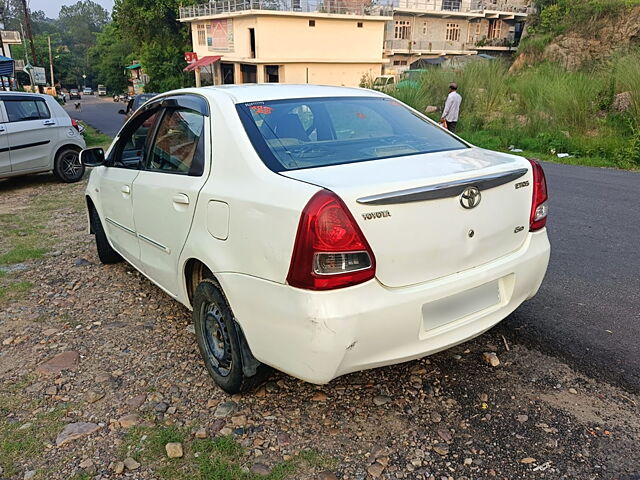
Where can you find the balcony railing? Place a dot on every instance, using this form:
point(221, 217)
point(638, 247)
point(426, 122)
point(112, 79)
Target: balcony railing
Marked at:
point(10, 36)
point(425, 46)
point(465, 6)
point(346, 7)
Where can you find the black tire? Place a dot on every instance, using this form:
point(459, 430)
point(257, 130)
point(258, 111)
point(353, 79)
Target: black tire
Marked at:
point(106, 254)
point(221, 342)
point(67, 166)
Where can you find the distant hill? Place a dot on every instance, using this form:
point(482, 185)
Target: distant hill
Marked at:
point(580, 35)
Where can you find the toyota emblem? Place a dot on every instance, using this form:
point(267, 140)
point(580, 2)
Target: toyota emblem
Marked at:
point(470, 198)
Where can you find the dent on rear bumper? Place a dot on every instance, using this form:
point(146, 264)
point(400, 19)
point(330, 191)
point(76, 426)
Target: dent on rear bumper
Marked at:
point(317, 336)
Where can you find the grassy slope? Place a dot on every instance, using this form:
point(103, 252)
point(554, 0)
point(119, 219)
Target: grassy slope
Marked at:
point(543, 110)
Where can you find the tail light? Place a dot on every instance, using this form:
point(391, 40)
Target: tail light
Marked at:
point(75, 125)
point(330, 250)
point(539, 205)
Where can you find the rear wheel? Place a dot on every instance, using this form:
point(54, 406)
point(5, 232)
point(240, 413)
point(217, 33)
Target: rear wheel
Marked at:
point(67, 166)
point(221, 342)
point(106, 254)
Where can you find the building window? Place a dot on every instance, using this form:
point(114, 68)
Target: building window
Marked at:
point(399, 62)
point(249, 73)
point(424, 28)
point(312, 23)
point(202, 34)
point(209, 36)
point(495, 29)
point(228, 73)
point(402, 30)
point(272, 73)
point(453, 32)
point(359, 24)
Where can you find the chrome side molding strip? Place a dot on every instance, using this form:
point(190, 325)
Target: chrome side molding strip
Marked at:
point(119, 225)
point(443, 190)
point(154, 243)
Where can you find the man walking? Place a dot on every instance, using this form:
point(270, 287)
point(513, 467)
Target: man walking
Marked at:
point(451, 110)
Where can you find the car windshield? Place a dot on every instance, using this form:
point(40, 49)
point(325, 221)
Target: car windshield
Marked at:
point(315, 132)
point(142, 98)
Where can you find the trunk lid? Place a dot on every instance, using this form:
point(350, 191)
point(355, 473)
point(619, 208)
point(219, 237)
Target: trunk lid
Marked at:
point(411, 213)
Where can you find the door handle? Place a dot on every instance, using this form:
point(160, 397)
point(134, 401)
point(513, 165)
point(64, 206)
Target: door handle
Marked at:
point(48, 122)
point(125, 189)
point(2, 129)
point(181, 198)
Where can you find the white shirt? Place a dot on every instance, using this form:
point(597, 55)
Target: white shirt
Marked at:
point(452, 107)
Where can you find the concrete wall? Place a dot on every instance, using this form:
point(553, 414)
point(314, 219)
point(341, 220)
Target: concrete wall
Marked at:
point(429, 31)
point(333, 52)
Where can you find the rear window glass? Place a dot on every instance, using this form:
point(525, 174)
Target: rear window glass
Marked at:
point(315, 132)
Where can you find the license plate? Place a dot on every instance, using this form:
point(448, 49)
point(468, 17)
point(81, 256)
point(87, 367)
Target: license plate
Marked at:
point(455, 307)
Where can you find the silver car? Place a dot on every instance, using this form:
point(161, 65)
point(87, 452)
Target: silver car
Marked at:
point(37, 135)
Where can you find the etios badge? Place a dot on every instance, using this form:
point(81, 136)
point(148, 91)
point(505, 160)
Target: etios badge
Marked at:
point(470, 198)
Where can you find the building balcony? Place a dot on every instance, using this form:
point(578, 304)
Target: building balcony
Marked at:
point(465, 7)
point(424, 47)
point(344, 7)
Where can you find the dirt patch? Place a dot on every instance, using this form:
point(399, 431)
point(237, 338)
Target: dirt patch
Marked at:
point(447, 416)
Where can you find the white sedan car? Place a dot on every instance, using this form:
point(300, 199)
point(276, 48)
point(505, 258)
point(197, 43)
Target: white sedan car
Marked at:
point(317, 230)
point(37, 135)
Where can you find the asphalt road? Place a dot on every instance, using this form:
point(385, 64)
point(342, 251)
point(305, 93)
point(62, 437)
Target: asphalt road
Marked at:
point(99, 112)
point(588, 308)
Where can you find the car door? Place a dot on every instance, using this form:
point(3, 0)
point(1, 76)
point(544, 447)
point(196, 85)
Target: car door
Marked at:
point(30, 131)
point(5, 157)
point(165, 193)
point(116, 184)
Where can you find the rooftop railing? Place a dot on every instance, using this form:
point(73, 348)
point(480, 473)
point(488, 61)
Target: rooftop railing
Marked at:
point(466, 6)
point(345, 7)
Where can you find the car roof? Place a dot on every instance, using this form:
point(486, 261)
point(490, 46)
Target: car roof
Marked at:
point(274, 91)
point(22, 94)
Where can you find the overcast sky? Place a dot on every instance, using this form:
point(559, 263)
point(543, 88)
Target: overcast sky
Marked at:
point(52, 7)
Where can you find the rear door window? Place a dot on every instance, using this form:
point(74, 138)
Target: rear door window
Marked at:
point(21, 110)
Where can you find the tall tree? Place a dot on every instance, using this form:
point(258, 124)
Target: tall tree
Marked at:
point(109, 57)
point(158, 37)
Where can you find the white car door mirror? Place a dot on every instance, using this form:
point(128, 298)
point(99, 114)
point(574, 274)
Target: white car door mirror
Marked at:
point(92, 157)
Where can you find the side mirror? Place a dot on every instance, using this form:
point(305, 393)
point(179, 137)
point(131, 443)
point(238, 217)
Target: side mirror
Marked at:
point(122, 112)
point(92, 157)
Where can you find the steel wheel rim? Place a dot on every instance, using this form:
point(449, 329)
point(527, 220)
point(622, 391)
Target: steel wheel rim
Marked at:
point(216, 338)
point(71, 166)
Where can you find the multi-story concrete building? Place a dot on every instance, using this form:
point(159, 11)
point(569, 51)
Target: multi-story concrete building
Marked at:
point(333, 42)
point(432, 28)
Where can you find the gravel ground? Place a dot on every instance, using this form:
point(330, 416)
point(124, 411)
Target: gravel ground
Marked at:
point(451, 416)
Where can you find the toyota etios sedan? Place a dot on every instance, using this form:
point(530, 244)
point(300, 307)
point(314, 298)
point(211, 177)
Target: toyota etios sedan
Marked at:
point(317, 230)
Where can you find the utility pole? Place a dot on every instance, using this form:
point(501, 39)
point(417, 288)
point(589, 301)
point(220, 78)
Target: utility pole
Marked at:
point(2, 45)
point(27, 21)
point(50, 61)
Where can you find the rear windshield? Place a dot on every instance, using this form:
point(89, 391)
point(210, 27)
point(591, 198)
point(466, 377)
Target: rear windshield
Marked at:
point(315, 132)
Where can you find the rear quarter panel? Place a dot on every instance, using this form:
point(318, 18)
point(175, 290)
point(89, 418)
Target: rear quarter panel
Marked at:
point(263, 207)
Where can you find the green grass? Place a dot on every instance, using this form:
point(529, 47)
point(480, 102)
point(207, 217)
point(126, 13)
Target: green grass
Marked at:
point(543, 110)
point(20, 254)
point(18, 444)
point(219, 458)
point(94, 138)
point(14, 290)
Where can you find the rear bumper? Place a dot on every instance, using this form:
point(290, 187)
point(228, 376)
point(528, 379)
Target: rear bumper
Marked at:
point(317, 336)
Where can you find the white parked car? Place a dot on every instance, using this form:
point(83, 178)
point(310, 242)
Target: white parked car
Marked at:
point(317, 230)
point(37, 135)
